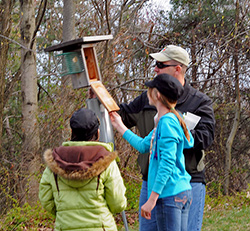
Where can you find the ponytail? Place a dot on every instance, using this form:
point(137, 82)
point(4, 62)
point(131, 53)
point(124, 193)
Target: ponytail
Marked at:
point(167, 102)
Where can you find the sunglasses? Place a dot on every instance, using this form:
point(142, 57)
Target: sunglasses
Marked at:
point(161, 65)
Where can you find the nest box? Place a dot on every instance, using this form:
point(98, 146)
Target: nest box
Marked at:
point(79, 60)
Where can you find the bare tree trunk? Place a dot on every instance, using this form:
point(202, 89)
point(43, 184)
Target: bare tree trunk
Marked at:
point(69, 11)
point(5, 26)
point(237, 111)
point(31, 142)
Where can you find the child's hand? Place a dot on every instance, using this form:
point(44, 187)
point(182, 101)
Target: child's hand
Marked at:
point(149, 205)
point(146, 210)
point(115, 119)
point(117, 123)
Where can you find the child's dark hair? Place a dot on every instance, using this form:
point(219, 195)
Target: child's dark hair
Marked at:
point(84, 137)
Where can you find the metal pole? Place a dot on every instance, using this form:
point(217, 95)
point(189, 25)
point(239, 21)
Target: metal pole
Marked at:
point(106, 132)
point(125, 221)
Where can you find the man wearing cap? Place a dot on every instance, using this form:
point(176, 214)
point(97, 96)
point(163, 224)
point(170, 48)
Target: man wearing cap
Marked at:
point(173, 60)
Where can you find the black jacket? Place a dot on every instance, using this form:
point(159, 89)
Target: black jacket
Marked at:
point(140, 114)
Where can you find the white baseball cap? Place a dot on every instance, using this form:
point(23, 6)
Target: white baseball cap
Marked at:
point(172, 52)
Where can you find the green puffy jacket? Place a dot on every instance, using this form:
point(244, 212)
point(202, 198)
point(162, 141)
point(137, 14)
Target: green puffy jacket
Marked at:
point(82, 186)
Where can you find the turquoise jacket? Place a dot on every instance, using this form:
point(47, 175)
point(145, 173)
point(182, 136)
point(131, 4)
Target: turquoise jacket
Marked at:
point(167, 175)
point(82, 186)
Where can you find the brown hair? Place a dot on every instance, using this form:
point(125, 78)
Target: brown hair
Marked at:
point(168, 103)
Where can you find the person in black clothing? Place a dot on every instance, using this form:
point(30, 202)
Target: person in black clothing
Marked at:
point(173, 60)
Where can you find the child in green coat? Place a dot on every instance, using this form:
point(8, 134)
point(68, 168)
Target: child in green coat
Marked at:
point(82, 185)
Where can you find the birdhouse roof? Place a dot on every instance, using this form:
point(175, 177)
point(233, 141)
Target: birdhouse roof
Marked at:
point(77, 43)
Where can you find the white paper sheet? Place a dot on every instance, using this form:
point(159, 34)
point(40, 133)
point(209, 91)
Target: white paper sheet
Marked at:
point(191, 120)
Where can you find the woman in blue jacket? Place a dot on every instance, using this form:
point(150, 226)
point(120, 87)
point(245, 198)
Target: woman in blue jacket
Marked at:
point(169, 189)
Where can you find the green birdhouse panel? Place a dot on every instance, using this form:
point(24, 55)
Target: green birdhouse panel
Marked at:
point(79, 60)
point(71, 63)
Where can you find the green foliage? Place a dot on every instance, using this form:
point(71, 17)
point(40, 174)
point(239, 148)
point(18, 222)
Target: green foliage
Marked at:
point(133, 193)
point(227, 220)
point(224, 213)
point(202, 18)
point(228, 202)
point(8, 194)
point(215, 189)
point(227, 212)
point(27, 218)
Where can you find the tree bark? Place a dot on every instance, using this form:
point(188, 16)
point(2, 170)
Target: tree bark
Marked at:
point(31, 141)
point(5, 26)
point(236, 122)
point(69, 11)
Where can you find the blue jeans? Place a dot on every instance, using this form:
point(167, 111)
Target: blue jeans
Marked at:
point(197, 207)
point(144, 224)
point(172, 212)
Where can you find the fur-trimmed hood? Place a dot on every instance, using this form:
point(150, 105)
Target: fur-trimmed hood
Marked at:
point(78, 162)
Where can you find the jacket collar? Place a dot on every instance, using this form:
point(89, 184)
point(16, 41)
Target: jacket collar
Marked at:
point(78, 162)
point(108, 146)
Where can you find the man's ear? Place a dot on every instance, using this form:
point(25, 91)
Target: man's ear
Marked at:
point(178, 68)
point(178, 74)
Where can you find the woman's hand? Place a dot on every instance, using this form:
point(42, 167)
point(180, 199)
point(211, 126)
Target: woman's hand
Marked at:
point(149, 205)
point(117, 123)
point(115, 118)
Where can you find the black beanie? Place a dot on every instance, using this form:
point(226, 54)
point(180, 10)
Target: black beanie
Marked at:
point(84, 124)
